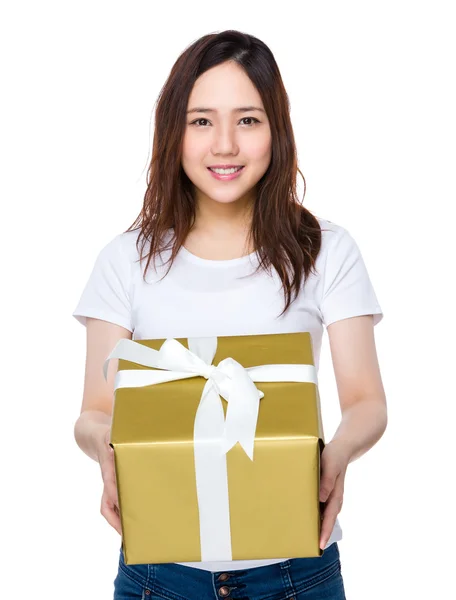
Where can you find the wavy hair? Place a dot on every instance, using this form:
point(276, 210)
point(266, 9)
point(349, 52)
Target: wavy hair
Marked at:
point(284, 233)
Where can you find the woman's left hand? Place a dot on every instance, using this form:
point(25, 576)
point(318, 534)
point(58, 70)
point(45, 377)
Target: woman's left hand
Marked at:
point(334, 463)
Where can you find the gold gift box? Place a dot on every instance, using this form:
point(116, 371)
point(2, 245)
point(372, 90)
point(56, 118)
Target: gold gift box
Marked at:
point(274, 507)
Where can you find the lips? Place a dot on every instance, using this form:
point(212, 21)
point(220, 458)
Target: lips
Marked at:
point(228, 176)
point(237, 167)
point(225, 166)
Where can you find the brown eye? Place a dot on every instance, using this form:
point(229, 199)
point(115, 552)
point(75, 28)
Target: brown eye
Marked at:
point(251, 118)
point(197, 120)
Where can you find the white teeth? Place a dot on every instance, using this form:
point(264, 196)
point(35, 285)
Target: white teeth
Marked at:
point(226, 171)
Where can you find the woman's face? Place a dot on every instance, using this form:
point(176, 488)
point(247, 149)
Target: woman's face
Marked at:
point(224, 135)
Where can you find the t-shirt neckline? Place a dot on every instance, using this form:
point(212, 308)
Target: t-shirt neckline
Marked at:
point(215, 263)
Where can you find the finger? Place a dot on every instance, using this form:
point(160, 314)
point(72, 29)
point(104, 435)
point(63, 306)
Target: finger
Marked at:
point(112, 517)
point(329, 519)
point(327, 483)
point(331, 510)
point(110, 488)
point(326, 487)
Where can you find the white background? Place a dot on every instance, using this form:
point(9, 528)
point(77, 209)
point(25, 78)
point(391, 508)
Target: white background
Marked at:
point(372, 97)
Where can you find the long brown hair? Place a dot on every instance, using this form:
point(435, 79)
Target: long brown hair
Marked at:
point(284, 233)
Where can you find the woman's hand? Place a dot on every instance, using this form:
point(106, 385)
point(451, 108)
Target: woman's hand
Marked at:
point(109, 500)
point(334, 463)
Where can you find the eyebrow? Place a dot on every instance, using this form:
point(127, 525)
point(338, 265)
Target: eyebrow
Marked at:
point(241, 109)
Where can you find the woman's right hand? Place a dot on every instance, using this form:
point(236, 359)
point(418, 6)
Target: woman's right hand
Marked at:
point(109, 500)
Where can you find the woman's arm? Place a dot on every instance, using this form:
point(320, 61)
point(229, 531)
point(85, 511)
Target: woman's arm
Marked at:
point(359, 384)
point(98, 396)
point(363, 404)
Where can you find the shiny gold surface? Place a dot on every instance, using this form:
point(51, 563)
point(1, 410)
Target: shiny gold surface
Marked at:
point(274, 507)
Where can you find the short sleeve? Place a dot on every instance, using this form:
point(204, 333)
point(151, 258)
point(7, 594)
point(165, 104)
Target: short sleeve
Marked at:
point(106, 295)
point(347, 290)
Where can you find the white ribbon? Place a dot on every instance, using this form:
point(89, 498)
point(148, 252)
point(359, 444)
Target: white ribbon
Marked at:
point(213, 436)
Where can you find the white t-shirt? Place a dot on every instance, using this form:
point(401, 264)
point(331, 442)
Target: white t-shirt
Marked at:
point(201, 298)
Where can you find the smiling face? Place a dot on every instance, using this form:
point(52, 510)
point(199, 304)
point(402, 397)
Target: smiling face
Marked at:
point(221, 134)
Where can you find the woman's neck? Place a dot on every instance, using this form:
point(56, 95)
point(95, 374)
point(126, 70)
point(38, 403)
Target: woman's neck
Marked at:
point(222, 241)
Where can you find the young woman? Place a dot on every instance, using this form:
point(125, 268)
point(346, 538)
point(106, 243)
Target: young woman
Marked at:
point(230, 250)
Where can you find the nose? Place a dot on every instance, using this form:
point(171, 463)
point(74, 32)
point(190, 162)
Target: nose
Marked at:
point(224, 140)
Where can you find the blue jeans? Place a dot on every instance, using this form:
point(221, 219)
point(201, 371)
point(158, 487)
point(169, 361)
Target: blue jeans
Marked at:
point(318, 578)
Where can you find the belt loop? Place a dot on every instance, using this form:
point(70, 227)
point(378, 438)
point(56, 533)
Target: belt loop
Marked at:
point(286, 579)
